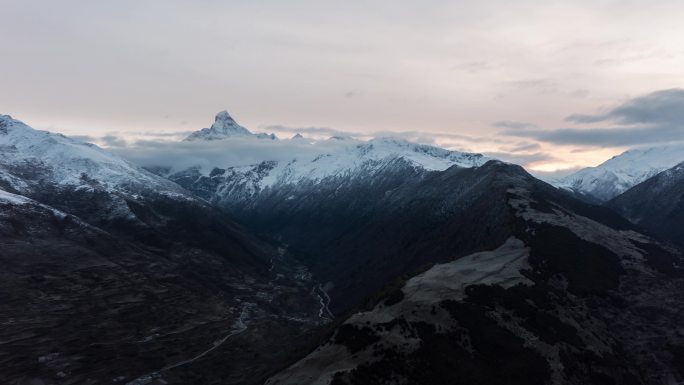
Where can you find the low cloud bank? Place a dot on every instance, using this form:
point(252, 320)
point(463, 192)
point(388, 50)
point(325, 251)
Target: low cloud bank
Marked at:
point(654, 118)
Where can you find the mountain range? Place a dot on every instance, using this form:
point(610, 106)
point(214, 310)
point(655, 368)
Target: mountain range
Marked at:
point(341, 262)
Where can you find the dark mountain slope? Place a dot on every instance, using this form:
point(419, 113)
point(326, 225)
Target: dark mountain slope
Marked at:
point(657, 204)
point(80, 306)
point(572, 295)
point(360, 232)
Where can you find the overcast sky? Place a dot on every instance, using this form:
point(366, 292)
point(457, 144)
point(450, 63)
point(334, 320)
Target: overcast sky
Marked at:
point(549, 84)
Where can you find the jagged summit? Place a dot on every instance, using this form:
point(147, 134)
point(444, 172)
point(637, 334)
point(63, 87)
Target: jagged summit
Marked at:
point(225, 123)
point(224, 127)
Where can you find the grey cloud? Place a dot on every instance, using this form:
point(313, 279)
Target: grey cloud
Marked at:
point(473, 66)
point(657, 117)
point(581, 93)
point(311, 130)
point(660, 107)
point(429, 137)
point(552, 175)
point(118, 139)
point(110, 140)
point(113, 141)
point(604, 137)
point(625, 59)
point(415, 136)
point(84, 138)
point(580, 150)
point(511, 124)
point(607, 62)
point(524, 147)
point(542, 85)
point(583, 119)
point(163, 134)
point(223, 153)
point(530, 83)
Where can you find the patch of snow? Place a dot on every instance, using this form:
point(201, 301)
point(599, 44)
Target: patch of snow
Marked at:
point(18, 200)
point(6, 197)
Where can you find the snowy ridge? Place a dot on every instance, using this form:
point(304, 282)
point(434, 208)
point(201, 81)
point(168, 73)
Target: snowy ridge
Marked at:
point(622, 172)
point(62, 161)
point(355, 155)
point(300, 160)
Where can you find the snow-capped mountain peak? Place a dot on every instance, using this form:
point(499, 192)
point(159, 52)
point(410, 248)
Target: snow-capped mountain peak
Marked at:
point(32, 159)
point(224, 127)
point(623, 171)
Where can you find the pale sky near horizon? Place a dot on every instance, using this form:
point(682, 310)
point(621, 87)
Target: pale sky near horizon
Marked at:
point(548, 84)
